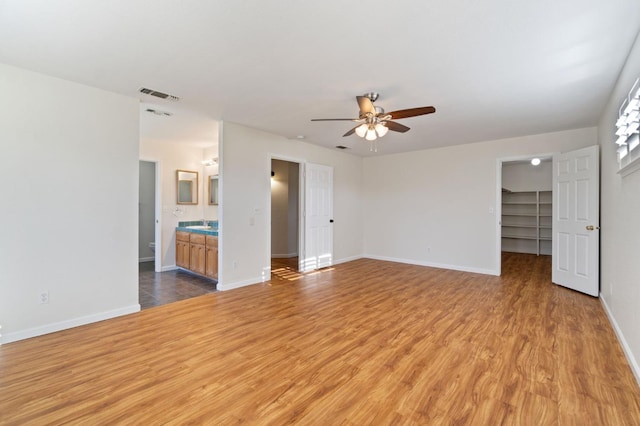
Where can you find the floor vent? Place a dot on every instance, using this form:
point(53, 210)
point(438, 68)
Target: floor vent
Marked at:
point(157, 94)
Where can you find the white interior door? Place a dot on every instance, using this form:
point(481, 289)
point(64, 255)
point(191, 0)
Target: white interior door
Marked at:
point(318, 217)
point(576, 241)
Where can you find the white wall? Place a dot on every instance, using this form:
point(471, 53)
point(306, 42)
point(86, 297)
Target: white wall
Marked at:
point(620, 224)
point(172, 157)
point(70, 223)
point(245, 187)
point(437, 207)
point(527, 177)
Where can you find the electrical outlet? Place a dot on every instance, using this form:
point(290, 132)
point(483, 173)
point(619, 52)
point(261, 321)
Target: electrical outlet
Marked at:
point(44, 297)
point(235, 265)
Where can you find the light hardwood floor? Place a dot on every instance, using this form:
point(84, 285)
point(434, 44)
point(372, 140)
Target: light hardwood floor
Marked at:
point(366, 342)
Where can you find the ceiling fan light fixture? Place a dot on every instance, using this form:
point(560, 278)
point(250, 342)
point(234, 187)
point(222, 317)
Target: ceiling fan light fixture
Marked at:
point(361, 130)
point(373, 122)
point(381, 129)
point(371, 135)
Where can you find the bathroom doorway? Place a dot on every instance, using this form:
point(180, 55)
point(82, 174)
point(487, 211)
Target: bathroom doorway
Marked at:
point(149, 246)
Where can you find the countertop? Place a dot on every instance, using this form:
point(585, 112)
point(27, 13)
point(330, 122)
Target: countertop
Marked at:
point(210, 231)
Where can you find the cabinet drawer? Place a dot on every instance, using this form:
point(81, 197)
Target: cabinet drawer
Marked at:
point(212, 241)
point(197, 239)
point(182, 236)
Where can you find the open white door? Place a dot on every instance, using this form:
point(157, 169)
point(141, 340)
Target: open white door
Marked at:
point(576, 219)
point(318, 217)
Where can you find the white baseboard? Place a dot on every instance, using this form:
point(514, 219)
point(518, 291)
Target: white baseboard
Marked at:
point(347, 259)
point(70, 323)
point(435, 265)
point(284, 256)
point(239, 284)
point(146, 259)
point(267, 275)
point(623, 342)
point(259, 280)
point(168, 268)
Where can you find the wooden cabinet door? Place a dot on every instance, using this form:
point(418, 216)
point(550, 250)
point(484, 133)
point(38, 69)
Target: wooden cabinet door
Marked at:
point(212, 257)
point(182, 254)
point(212, 262)
point(197, 258)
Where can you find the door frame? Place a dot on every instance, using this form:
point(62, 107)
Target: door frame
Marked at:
point(498, 209)
point(158, 211)
point(301, 200)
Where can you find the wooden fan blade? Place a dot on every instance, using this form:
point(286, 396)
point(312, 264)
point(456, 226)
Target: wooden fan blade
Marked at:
point(396, 127)
point(334, 119)
point(350, 132)
point(365, 105)
point(411, 112)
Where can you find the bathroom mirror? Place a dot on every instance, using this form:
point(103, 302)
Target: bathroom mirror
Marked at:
point(213, 190)
point(187, 186)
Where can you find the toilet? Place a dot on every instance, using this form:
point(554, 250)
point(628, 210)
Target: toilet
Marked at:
point(152, 246)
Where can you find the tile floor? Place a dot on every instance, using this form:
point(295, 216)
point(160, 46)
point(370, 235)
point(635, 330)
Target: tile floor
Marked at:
point(160, 288)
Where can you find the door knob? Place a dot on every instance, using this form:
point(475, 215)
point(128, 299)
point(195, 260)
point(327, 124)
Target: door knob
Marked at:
point(591, 227)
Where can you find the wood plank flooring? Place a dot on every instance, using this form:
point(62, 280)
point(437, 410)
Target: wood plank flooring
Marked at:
point(366, 342)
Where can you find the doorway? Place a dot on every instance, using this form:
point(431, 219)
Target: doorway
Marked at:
point(565, 218)
point(285, 216)
point(525, 206)
point(148, 200)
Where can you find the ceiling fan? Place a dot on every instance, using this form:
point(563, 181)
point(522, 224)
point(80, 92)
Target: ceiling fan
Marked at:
point(374, 122)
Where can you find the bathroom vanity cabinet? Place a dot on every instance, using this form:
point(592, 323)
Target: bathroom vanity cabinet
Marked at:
point(211, 263)
point(197, 253)
point(182, 249)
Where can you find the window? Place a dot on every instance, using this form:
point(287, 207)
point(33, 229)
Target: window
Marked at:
point(627, 128)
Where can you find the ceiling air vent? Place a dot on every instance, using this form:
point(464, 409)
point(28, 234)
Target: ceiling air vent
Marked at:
point(158, 112)
point(342, 147)
point(157, 94)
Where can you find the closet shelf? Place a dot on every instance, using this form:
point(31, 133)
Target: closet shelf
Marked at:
point(519, 237)
point(531, 233)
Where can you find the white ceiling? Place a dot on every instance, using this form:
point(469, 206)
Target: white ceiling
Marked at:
point(492, 68)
